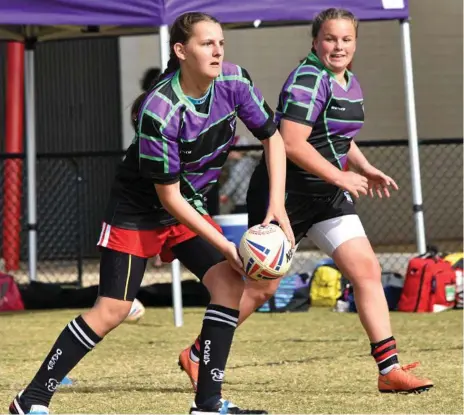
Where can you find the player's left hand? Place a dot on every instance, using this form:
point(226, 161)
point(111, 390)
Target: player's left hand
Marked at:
point(279, 215)
point(378, 182)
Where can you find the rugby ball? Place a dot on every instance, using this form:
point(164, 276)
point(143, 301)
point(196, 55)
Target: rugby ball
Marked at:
point(136, 312)
point(266, 252)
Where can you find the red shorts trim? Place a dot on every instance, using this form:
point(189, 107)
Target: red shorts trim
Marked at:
point(148, 243)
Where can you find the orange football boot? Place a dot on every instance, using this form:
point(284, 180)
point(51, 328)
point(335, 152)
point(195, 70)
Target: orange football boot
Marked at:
point(189, 366)
point(402, 380)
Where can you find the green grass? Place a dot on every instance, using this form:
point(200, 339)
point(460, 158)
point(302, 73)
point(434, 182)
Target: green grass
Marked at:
point(314, 362)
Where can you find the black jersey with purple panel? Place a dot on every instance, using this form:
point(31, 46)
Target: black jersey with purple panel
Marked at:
point(312, 96)
point(177, 141)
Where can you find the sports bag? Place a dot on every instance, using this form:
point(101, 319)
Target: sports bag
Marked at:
point(456, 261)
point(326, 286)
point(10, 297)
point(291, 295)
point(429, 286)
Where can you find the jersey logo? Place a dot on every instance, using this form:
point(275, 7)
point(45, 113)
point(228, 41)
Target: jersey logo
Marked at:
point(348, 197)
point(232, 120)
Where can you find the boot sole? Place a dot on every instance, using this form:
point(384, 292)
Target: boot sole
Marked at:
point(418, 390)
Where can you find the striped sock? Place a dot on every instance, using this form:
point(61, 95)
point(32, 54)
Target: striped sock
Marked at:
point(216, 336)
point(385, 355)
point(195, 351)
point(74, 342)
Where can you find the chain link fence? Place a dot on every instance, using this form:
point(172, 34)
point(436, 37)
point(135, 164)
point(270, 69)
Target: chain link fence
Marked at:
point(72, 191)
point(389, 223)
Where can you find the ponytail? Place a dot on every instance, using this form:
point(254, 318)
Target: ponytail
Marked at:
point(173, 66)
point(135, 109)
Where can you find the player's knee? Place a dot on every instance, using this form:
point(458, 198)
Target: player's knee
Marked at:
point(112, 312)
point(261, 291)
point(263, 296)
point(225, 286)
point(366, 272)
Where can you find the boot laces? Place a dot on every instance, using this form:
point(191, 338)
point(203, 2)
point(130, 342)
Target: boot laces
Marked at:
point(410, 366)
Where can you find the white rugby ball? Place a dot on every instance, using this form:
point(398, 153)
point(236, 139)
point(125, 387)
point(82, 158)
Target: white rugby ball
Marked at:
point(136, 312)
point(266, 252)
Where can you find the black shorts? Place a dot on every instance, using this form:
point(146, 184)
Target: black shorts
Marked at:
point(121, 274)
point(303, 211)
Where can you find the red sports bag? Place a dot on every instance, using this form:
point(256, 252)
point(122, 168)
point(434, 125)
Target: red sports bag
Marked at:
point(10, 297)
point(430, 285)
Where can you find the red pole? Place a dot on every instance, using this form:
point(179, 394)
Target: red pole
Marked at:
point(12, 184)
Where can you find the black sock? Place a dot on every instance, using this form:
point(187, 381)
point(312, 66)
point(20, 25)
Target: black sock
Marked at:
point(195, 350)
point(216, 336)
point(385, 354)
point(74, 342)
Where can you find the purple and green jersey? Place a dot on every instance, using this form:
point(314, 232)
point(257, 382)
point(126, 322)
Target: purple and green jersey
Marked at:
point(183, 140)
point(312, 96)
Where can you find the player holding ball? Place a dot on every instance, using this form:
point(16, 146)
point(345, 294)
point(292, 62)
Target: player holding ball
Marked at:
point(320, 111)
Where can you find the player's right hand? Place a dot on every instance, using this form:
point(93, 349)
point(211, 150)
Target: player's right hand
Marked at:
point(279, 215)
point(353, 183)
point(231, 253)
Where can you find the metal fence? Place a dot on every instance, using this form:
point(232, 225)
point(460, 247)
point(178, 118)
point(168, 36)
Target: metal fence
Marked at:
point(72, 191)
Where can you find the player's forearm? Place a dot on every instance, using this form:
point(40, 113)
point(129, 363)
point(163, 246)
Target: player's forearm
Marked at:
point(356, 158)
point(177, 206)
point(310, 160)
point(276, 161)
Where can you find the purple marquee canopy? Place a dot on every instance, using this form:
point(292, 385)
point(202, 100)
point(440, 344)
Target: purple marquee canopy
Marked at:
point(37, 18)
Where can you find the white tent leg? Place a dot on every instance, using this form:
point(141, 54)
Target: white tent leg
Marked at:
point(29, 89)
point(164, 46)
point(413, 141)
point(177, 293)
point(175, 266)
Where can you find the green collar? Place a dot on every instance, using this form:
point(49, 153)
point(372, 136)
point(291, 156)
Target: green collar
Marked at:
point(185, 98)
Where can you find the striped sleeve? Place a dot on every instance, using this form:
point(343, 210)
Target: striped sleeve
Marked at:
point(253, 110)
point(304, 97)
point(158, 153)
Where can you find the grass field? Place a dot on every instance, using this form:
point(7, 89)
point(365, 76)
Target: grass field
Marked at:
point(314, 362)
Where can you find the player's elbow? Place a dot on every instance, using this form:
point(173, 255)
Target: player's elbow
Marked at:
point(290, 149)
